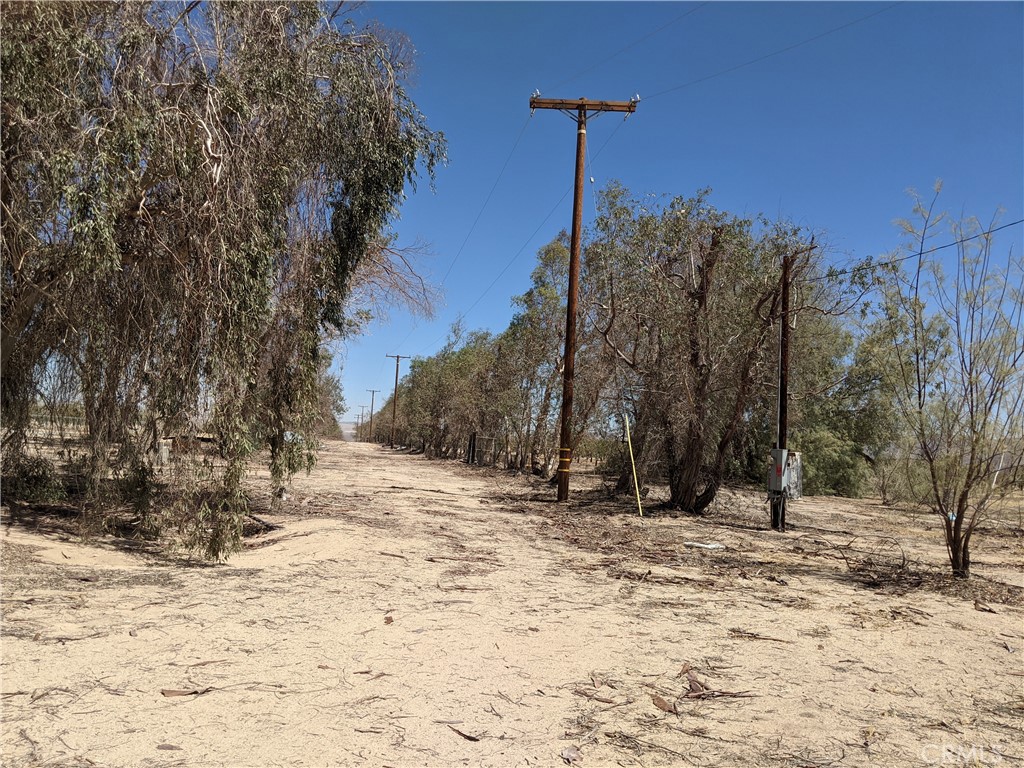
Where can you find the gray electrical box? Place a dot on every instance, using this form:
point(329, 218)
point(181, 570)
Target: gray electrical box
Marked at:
point(785, 474)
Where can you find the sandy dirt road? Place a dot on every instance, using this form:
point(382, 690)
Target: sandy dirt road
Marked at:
point(417, 613)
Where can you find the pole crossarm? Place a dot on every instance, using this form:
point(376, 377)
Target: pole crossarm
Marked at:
point(590, 105)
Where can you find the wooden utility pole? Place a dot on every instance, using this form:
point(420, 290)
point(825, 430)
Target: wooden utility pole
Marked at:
point(359, 422)
point(394, 400)
point(783, 436)
point(778, 505)
point(373, 393)
point(577, 110)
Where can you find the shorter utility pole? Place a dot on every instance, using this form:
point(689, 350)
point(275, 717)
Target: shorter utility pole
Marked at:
point(779, 501)
point(782, 464)
point(394, 400)
point(373, 393)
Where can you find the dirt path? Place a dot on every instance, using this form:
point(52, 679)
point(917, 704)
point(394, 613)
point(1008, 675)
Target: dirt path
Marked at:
point(410, 614)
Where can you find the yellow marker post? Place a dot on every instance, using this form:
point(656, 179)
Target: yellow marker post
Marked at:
point(636, 483)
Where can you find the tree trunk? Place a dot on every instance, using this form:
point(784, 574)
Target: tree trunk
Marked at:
point(625, 481)
point(958, 546)
point(540, 430)
point(684, 466)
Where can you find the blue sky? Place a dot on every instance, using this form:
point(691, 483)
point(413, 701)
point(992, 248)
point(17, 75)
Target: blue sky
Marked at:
point(829, 134)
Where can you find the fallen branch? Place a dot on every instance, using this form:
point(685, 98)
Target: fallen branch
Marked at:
point(466, 736)
point(422, 490)
point(462, 588)
point(170, 692)
point(266, 526)
point(593, 696)
point(700, 690)
point(626, 737)
point(66, 639)
point(736, 632)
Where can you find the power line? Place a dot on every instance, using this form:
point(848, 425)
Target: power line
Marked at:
point(916, 254)
point(515, 145)
point(523, 247)
point(476, 221)
point(773, 53)
point(486, 200)
point(656, 95)
point(508, 264)
point(633, 44)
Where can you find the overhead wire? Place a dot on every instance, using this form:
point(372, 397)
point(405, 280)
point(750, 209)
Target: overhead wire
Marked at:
point(483, 207)
point(916, 254)
point(705, 78)
point(769, 55)
point(625, 48)
point(523, 247)
point(648, 98)
point(480, 213)
point(515, 145)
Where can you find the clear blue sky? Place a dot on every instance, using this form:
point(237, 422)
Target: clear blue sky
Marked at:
point(829, 134)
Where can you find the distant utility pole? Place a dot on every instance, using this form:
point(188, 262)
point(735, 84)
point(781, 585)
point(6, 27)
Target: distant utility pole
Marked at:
point(577, 110)
point(373, 393)
point(394, 400)
point(359, 424)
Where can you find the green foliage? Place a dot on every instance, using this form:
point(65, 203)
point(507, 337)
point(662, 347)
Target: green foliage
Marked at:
point(31, 479)
point(688, 302)
point(833, 465)
point(951, 354)
point(185, 217)
point(209, 523)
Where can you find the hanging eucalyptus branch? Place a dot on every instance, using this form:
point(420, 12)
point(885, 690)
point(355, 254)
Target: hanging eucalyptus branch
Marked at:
point(188, 194)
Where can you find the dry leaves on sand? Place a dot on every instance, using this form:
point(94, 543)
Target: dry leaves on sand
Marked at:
point(663, 705)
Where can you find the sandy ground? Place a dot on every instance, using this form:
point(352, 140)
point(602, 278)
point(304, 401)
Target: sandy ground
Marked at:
point(417, 613)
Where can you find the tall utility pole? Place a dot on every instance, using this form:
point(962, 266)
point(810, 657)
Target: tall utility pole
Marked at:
point(373, 393)
point(577, 110)
point(394, 400)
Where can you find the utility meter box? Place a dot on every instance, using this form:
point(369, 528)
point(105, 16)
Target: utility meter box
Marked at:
point(785, 474)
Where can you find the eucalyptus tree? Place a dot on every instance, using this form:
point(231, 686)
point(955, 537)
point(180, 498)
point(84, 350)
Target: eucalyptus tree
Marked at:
point(530, 355)
point(506, 388)
point(537, 333)
point(190, 193)
point(689, 307)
